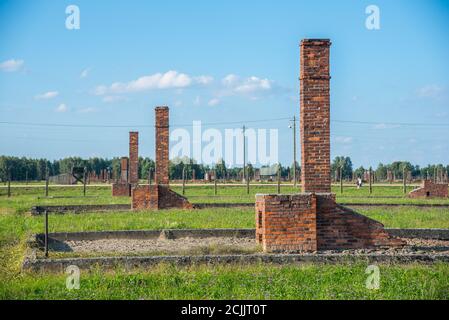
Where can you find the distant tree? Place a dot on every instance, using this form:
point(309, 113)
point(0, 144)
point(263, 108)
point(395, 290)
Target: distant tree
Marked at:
point(359, 172)
point(347, 167)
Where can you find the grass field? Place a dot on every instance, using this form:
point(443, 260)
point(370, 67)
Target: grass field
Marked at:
point(224, 282)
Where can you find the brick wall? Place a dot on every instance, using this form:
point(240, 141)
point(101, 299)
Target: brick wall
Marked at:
point(121, 189)
point(309, 222)
point(133, 157)
point(315, 116)
point(339, 228)
point(430, 189)
point(145, 197)
point(286, 223)
point(154, 197)
point(162, 140)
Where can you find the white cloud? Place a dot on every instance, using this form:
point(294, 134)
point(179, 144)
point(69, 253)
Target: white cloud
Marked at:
point(434, 92)
point(62, 108)
point(203, 79)
point(252, 87)
point(11, 65)
point(47, 95)
point(213, 102)
point(343, 140)
point(169, 80)
point(85, 73)
point(230, 80)
point(253, 84)
point(430, 91)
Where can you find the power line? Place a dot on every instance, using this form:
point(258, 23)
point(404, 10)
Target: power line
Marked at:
point(217, 123)
point(392, 123)
point(133, 125)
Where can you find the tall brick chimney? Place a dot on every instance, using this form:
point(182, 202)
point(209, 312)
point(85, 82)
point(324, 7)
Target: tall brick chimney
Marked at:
point(315, 116)
point(162, 140)
point(133, 157)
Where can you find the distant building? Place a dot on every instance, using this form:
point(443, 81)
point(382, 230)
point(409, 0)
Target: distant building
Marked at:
point(269, 173)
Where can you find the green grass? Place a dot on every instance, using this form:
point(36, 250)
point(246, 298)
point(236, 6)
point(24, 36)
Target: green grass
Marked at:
point(239, 282)
point(409, 217)
point(206, 282)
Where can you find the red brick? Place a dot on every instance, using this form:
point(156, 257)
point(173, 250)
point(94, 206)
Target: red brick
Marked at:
point(133, 158)
point(430, 189)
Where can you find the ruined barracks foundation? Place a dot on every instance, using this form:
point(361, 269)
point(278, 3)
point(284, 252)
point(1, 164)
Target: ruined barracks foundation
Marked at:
point(430, 189)
point(312, 220)
point(159, 195)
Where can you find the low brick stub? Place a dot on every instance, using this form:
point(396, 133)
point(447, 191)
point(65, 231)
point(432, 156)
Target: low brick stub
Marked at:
point(314, 221)
point(286, 223)
point(340, 228)
point(430, 189)
point(154, 197)
point(121, 189)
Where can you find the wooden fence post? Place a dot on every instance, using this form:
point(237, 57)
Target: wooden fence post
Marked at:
point(370, 180)
point(84, 180)
point(279, 180)
point(183, 181)
point(46, 234)
point(341, 179)
point(9, 183)
point(215, 183)
point(404, 179)
point(46, 182)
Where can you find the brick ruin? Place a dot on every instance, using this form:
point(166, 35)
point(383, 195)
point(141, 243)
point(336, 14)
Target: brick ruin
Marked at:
point(129, 169)
point(429, 189)
point(312, 220)
point(159, 195)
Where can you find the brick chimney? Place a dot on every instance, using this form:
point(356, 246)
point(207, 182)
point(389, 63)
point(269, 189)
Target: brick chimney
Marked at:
point(124, 170)
point(133, 157)
point(162, 143)
point(315, 116)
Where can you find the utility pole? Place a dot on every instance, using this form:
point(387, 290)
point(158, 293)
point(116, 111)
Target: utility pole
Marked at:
point(370, 180)
point(244, 154)
point(294, 150)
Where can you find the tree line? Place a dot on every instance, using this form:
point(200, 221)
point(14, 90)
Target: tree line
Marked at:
point(21, 169)
point(381, 172)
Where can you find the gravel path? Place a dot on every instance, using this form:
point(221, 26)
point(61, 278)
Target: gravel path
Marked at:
point(225, 245)
point(182, 245)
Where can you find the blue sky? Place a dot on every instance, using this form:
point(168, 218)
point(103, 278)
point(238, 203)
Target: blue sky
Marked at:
point(222, 61)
